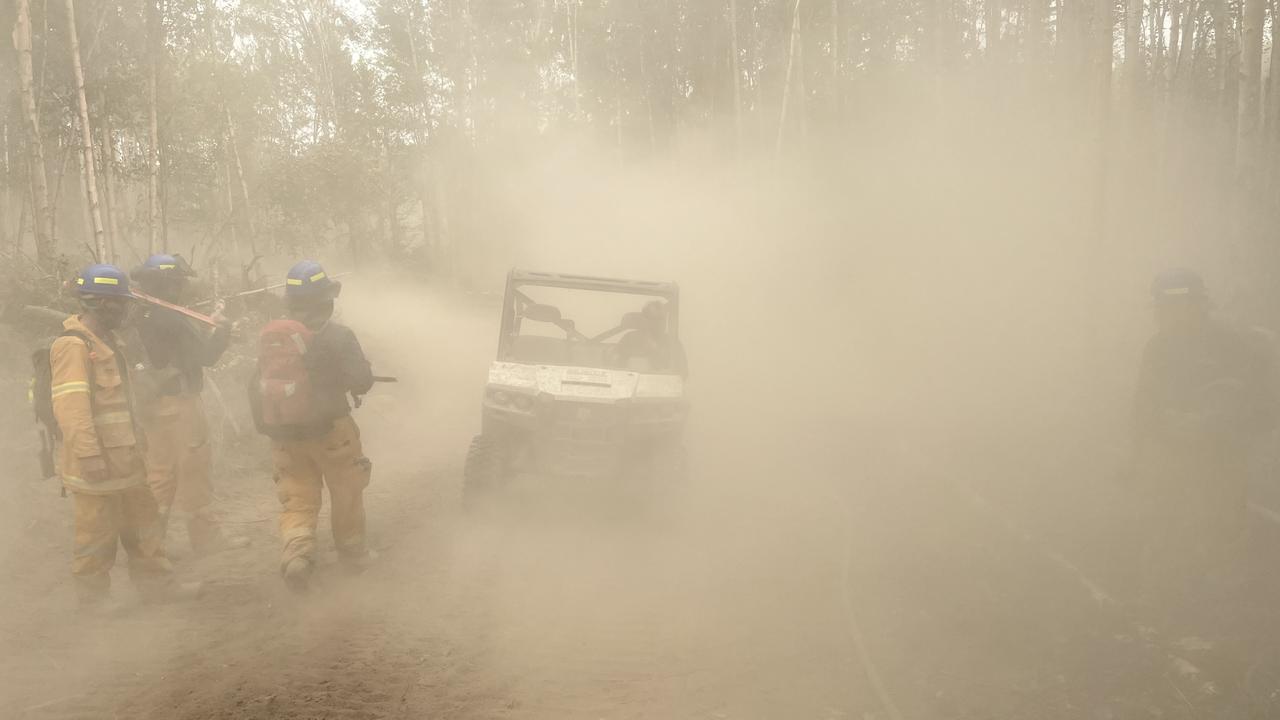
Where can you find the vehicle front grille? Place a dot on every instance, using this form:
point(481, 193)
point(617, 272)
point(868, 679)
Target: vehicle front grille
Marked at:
point(585, 414)
point(583, 438)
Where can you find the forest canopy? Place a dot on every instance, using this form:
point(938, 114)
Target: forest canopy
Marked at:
point(226, 130)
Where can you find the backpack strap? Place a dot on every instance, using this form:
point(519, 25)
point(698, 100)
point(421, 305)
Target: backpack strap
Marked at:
point(88, 341)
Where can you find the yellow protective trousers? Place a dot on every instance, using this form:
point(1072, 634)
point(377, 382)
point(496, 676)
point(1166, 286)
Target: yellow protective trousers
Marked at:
point(129, 518)
point(178, 464)
point(335, 459)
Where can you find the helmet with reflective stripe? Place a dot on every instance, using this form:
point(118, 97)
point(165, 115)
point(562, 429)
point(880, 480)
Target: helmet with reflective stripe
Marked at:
point(1178, 284)
point(161, 262)
point(308, 280)
point(103, 280)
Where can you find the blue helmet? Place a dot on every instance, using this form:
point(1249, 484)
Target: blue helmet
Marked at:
point(308, 280)
point(161, 262)
point(106, 280)
point(1176, 284)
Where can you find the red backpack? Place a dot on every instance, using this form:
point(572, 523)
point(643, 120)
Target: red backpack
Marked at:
point(284, 384)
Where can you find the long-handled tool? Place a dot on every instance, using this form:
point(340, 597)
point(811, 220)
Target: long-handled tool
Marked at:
point(188, 312)
point(256, 291)
point(358, 400)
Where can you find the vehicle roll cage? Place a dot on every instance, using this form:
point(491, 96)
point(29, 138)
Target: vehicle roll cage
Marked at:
point(514, 300)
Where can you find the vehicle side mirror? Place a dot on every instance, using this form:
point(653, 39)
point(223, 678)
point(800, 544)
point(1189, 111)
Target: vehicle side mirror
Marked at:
point(541, 313)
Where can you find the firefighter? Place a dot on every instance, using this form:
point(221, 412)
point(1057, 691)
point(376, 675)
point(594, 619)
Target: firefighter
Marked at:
point(102, 461)
point(324, 449)
point(170, 407)
point(650, 346)
point(1205, 397)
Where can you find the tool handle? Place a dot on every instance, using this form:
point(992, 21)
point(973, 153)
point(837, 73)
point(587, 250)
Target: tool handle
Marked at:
point(188, 312)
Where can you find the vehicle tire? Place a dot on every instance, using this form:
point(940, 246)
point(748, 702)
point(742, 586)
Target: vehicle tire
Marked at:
point(485, 470)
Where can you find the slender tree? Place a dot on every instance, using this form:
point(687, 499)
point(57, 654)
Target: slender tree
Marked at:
point(86, 137)
point(43, 210)
point(114, 241)
point(155, 33)
point(1133, 61)
point(1249, 123)
point(735, 67)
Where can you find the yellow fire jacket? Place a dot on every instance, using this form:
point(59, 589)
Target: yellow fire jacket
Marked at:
point(91, 403)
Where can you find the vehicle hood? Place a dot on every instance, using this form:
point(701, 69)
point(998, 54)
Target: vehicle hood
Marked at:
point(588, 384)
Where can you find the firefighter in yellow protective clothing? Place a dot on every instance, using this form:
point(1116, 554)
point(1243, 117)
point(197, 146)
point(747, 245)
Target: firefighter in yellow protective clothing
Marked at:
point(170, 407)
point(315, 442)
point(101, 461)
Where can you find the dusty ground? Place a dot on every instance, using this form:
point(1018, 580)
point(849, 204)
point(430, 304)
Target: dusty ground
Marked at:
point(821, 565)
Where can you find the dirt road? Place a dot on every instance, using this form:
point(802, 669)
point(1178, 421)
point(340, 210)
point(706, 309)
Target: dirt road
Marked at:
point(722, 606)
point(824, 567)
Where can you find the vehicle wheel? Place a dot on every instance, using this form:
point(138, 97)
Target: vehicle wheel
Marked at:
point(485, 470)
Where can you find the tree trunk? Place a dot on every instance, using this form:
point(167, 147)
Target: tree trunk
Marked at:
point(1272, 120)
point(163, 187)
point(647, 86)
point(1221, 33)
point(837, 96)
point(232, 230)
point(86, 137)
point(991, 26)
point(108, 183)
point(1187, 47)
point(1248, 149)
point(154, 32)
point(6, 200)
point(1180, 13)
point(43, 225)
point(22, 219)
point(571, 8)
point(1159, 41)
point(444, 238)
point(65, 155)
point(1102, 57)
point(394, 238)
point(423, 173)
point(245, 206)
point(735, 67)
point(1034, 33)
point(1133, 62)
point(86, 207)
point(786, 83)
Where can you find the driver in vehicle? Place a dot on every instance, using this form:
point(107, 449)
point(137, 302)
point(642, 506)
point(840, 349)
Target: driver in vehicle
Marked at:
point(647, 347)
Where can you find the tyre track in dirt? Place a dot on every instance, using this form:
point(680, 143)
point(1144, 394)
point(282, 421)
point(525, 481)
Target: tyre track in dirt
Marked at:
point(727, 609)
point(584, 611)
point(1083, 653)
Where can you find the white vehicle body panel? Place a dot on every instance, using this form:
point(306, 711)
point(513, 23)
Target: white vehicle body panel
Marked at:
point(584, 384)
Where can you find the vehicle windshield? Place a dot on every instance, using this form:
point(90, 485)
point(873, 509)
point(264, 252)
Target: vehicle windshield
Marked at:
point(591, 328)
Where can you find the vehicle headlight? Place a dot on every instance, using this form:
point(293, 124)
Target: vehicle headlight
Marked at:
point(507, 400)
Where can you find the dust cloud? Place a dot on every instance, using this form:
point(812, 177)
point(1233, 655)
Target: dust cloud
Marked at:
point(911, 361)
